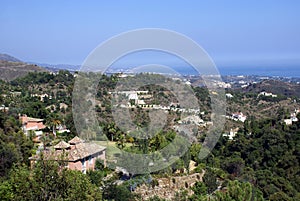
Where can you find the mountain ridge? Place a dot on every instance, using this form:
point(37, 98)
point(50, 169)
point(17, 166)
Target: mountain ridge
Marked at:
point(275, 87)
point(12, 68)
point(6, 57)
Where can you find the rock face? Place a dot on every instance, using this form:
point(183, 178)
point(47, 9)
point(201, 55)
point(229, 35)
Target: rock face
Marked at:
point(167, 187)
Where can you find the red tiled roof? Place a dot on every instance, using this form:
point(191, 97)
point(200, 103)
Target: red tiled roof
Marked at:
point(76, 140)
point(26, 119)
point(62, 145)
point(82, 150)
point(35, 126)
point(32, 123)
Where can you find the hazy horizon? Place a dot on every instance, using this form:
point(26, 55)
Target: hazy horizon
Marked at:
point(235, 34)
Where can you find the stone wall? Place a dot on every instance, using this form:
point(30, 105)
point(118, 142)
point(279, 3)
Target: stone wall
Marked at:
point(167, 187)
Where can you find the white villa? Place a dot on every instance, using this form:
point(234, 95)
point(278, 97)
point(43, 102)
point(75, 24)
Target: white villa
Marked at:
point(232, 133)
point(268, 94)
point(228, 95)
point(293, 118)
point(239, 116)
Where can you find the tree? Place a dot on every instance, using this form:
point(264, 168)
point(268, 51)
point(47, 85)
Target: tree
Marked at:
point(117, 193)
point(239, 191)
point(53, 120)
point(156, 198)
point(8, 156)
point(111, 131)
point(77, 186)
point(200, 191)
point(6, 191)
point(195, 150)
point(15, 147)
point(181, 195)
point(35, 109)
point(121, 141)
point(280, 196)
point(45, 182)
point(98, 174)
point(234, 165)
point(210, 181)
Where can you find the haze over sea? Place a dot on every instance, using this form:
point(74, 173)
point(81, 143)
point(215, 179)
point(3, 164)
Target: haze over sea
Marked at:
point(281, 71)
point(284, 71)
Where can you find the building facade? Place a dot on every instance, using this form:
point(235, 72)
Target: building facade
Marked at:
point(77, 154)
point(32, 124)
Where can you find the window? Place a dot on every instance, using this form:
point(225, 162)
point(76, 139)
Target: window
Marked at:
point(90, 160)
point(83, 163)
point(83, 166)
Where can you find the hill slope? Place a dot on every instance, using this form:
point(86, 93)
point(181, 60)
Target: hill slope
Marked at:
point(11, 70)
point(275, 87)
point(6, 57)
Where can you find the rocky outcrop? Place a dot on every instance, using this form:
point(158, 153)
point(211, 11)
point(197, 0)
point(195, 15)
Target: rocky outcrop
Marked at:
point(167, 187)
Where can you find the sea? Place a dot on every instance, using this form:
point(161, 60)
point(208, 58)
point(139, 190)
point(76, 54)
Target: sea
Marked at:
point(284, 71)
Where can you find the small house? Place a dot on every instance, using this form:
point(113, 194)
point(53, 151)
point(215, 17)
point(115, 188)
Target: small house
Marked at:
point(32, 124)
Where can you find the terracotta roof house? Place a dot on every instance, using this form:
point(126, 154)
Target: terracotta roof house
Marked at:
point(78, 154)
point(76, 140)
point(32, 124)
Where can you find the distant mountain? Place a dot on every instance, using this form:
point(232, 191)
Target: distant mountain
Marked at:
point(12, 68)
point(275, 87)
point(6, 57)
point(57, 67)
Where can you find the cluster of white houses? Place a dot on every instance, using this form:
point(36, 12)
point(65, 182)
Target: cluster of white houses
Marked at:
point(293, 118)
point(268, 94)
point(137, 98)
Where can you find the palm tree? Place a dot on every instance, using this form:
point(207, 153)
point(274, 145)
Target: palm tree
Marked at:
point(113, 131)
point(53, 121)
point(121, 141)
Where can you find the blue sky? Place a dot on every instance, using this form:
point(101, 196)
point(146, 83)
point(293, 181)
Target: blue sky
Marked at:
point(234, 33)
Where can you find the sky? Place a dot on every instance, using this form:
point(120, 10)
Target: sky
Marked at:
point(233, 32)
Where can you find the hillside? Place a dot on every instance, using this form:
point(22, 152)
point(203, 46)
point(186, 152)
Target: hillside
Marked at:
point(261, 160)
point(275, 87)
point(57, 67)
point(10, 70)
point(6, 57)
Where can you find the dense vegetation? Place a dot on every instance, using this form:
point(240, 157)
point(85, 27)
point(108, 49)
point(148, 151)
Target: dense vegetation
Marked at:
point(264, 153)
point(15, 147)
point(261, 163)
